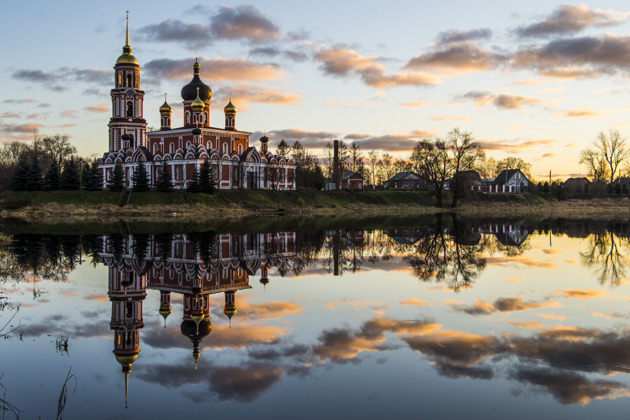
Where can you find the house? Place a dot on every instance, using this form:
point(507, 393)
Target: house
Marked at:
point(624, 185)
point(510, 181)
point(352, 181)
point(407, 180)
point(579, 185)
point(468, 181)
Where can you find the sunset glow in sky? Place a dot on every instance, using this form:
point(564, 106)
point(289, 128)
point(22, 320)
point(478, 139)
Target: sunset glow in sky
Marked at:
point(537, 81)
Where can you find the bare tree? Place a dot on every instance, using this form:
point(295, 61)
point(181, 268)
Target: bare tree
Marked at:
point(595, 164)
point(465, 154)
point(373, 162)
point(431, 161)
point(611, 148)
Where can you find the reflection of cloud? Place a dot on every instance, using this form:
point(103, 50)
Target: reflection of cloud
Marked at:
point(531, 325)
point(580, 113)
point(415, 302)
point(503, 305)
point(554, 317)
point(568, 387)
point(508, 261)
point(100, 298)
point(342, 345)
point(581, 294)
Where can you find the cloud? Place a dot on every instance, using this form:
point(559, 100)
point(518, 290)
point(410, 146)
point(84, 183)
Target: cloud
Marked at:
point(343, 62)
point(98, 108)
point(458, 36)
point(392, 142)
point(503, 305)
point(216, 69)
point(415, 302)
point(502, 100)
point(568, 19)
point(573, 58)
point(243, 22)
point(416, 104)
point(8, 114)
point(19, 128)
point(174, 30)
point(514, 146)
point(580, 113)
point(273, 52)
point(448, 118)
point(456, 58)
point(309, 139)
point(56, 80)
point(229, 23)
point(243, 95)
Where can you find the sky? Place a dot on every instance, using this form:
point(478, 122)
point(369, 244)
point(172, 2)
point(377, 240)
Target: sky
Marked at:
point(537, 81)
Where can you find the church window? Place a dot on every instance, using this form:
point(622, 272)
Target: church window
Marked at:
point(205, 117)
point(171, 148)
point(240, 149)
point(179, 173)
point(119, 80)
point(208, 146)
point(225, 150)
point(128, 309)
point(187, 117)
point(187, 144)
point(155, 148)
point(130, 109)
point(129, 80)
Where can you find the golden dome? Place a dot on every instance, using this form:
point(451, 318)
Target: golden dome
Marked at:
point(230, 108)
point(198, 103)
point(229, 312)
point(127, 360)
point(127, 57)
point(165, 108)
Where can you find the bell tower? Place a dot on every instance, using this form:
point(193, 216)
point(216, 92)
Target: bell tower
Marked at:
point(127, 102)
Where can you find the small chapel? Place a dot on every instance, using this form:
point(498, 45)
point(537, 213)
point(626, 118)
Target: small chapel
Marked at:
point(235, 164)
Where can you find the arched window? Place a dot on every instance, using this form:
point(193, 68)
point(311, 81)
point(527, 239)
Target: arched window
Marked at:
point(129, 80)
point(119, 80)
point(187, 144)
point(225, 148)
point(187, 117)
point(240, 149)
point(171, 148)
point(208, 146)
point(155, 148)
point(130, 109)
point(205, 117)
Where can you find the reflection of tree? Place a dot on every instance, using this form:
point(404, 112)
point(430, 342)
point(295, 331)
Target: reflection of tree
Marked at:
point(603, 255)
point(447, 260)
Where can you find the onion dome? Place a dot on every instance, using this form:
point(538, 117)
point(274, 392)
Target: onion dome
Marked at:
point(264, 139)
point(190, 90)
point(196, 131)
point(126, 360)
point(165, 108)
point(127, 57)
point(230, 108)
point(229, 311)
point(196, 333)
point(198, 103)
point(125, 137)
point(165, 312)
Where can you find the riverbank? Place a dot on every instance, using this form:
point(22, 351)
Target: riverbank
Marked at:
point(102, 207)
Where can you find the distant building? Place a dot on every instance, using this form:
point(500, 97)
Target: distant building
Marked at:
point(407, 180)
point(622, 181)
point(578, 185)
point(352, 181)
point(510, 181)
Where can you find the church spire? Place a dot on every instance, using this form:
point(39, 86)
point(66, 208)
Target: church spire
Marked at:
point(127, 32)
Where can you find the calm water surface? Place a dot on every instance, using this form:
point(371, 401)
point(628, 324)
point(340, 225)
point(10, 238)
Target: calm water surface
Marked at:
point(502, 319)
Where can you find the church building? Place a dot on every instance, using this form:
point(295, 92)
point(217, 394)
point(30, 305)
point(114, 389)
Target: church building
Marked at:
point(235, 164)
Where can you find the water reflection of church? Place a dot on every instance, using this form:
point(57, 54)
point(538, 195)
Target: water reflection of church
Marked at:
point(179, 265)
